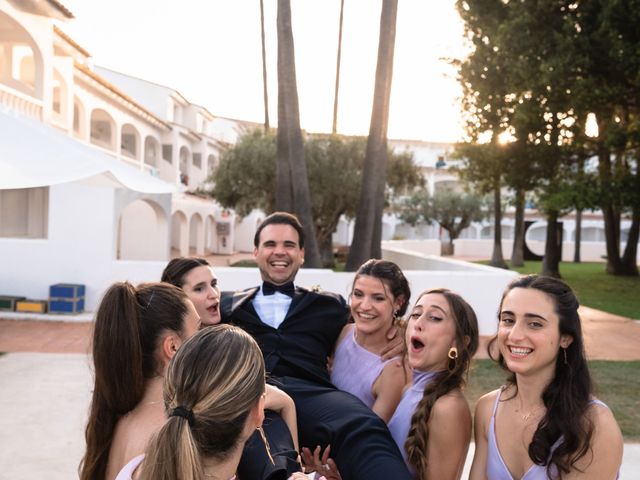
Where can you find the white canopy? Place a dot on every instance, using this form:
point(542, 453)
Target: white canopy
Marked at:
point(33, 154)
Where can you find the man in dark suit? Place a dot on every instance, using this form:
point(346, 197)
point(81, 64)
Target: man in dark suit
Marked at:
point(297, 329)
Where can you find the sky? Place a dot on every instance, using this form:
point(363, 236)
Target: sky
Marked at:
point(210, 51)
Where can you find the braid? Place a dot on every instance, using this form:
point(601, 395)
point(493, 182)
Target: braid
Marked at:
point(446, 381)
point(418, 437)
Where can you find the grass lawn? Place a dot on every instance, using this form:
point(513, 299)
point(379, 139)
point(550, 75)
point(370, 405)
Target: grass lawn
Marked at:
point(616, 383)
point(595, 288)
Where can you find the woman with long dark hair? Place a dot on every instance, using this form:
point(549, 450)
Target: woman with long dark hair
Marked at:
point(545, 423)
point(136, 333)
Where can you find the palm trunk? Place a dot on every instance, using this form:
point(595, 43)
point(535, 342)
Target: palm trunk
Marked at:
point(291, 136)
point(264, 70)
point(629, 259)
point(497, 259)
point(368, 228)
point(334, 128)
point(517, 253)
point(578, 239)
point(551, 260)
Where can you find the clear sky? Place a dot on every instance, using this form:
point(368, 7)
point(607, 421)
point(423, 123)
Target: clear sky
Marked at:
point(210, 51)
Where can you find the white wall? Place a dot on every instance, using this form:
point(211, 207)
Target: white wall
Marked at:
point(78, 249)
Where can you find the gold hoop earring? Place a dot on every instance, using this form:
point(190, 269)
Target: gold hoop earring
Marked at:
point(453, 353)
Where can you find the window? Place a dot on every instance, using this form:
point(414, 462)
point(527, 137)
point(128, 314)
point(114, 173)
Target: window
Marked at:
point(24, 212)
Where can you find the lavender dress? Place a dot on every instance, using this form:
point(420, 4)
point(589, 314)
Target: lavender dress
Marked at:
point(356, 369)
point(497, 468)
point(401, 421)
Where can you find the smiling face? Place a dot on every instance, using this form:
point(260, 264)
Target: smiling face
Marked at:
point(201, 286)
point(372, 304)
point(278, 253)
point(529, 332)
point(431, 332)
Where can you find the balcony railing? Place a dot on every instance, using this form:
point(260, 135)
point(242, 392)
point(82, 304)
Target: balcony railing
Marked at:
point(20, 102)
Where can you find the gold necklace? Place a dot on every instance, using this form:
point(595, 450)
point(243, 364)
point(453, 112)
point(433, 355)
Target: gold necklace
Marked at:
point(529, 414)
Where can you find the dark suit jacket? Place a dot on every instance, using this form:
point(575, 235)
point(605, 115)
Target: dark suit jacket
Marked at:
point(299, 347)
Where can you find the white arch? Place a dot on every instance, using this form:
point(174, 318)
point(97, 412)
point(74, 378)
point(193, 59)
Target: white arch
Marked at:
point(210, 244)
point(196, 233)
point(184, 165)
point(142, 231)
point(129, 141)
point(17, 41)
point(179, 233)
point(151, 151)
point(103, 129)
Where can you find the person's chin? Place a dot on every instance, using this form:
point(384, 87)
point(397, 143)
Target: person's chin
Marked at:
point(210, 321)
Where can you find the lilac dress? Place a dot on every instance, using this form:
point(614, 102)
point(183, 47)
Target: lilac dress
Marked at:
point(356, 369)
point(127, 471)
point(401, 421)
point(497, 468)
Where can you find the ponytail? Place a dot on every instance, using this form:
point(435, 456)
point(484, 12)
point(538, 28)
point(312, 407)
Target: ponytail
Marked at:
point(128, 324)
point(212, 384)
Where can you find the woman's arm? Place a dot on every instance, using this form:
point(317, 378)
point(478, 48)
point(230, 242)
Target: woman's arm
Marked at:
point(282, 403)
point(481, 421)
point(603, 460)
point(449, 437)
point(387, 389)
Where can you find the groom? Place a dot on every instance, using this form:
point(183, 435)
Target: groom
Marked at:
point(297, 330)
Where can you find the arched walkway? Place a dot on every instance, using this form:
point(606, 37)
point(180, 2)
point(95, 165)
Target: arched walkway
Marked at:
point(196, 234)
point(142, 232)
point(179, 233)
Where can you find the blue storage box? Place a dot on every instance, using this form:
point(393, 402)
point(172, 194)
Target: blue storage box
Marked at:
point(66, 298)
point(66, 305)
point(66, 290)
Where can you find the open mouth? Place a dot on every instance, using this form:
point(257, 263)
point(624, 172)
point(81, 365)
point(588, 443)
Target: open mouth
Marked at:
point(213, 310)
point(279, 264)
point(416, 343)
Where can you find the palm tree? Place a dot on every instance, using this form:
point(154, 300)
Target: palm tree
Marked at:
point(368, 228)
point(291, 170)
point(334, 128)
point(264, 70)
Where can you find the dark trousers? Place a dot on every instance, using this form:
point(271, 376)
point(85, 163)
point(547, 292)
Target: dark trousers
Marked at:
point(361, 444)
point(255, 464)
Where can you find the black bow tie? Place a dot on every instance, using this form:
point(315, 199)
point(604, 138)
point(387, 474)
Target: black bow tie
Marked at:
point(269, 288)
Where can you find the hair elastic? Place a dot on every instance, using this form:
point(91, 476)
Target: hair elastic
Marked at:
point(183, 412)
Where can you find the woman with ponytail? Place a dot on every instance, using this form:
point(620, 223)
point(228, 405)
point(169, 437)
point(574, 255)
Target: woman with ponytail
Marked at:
point(214, 398)
point(545, 423)
point(136, 332)
point(432, 424)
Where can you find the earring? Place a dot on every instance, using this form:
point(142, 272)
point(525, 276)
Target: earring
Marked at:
point(564, 350)
point(453, 353)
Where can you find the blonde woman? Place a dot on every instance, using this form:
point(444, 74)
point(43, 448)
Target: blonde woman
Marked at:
point(214, 397)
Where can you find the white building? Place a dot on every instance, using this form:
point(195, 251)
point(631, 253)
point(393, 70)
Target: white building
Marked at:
point(98, 170)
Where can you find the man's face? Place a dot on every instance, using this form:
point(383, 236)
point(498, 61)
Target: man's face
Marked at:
point(278, 254)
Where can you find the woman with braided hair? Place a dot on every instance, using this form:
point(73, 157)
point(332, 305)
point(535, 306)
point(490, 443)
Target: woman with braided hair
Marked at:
point(432, 424)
